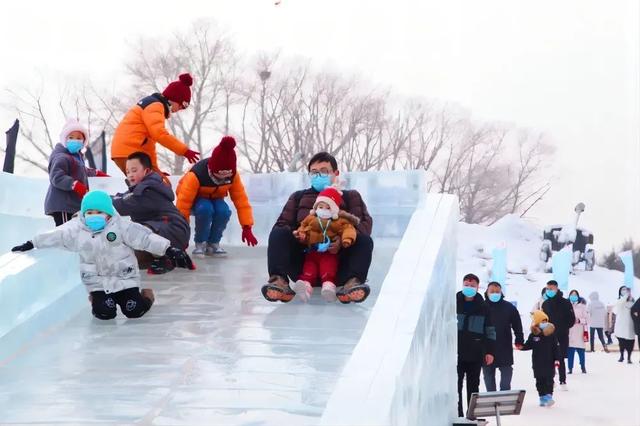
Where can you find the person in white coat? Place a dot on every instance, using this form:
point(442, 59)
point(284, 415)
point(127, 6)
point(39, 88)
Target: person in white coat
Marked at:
point(108, 266)
point(597, 313)
point(577, 332)
point(623, 328)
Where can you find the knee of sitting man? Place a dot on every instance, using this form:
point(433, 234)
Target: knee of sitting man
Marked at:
point(365, 241)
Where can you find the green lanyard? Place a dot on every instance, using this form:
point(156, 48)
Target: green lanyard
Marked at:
point(324, 229)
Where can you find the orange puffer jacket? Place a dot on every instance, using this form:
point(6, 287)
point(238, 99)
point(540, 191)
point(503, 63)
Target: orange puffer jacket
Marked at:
point(142, 127)
point(343, 227)
point(197, 183)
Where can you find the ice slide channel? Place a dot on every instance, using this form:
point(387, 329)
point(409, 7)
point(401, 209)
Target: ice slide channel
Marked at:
point(212, 351)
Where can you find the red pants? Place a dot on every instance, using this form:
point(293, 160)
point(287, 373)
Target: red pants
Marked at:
point(319, 265)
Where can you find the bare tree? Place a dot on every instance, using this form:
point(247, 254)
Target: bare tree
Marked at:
point(39, 118)
point(209, 55)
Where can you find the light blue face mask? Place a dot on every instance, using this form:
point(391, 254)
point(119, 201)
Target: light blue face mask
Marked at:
point(320, 182)
point(95, 222)
point(573, 298)
point(543, 325)
point(495, 297)
point(469, 291)
point(550, 294)
point(74, 146)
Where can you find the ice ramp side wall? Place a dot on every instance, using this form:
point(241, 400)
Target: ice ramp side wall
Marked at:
point(402, 371)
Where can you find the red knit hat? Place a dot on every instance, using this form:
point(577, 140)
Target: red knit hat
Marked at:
point(223, 156)
point(178, 91)
point(333, 197)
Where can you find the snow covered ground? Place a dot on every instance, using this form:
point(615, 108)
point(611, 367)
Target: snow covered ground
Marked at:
point(610, 391)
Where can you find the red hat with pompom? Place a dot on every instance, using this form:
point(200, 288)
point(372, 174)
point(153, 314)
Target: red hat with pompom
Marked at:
point(179, 91)
point(332, 196)
point(223, 156)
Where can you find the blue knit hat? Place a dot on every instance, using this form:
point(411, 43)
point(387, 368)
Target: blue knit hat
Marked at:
point(97, 200)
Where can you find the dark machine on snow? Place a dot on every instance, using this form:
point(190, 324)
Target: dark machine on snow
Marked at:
point(557, 237)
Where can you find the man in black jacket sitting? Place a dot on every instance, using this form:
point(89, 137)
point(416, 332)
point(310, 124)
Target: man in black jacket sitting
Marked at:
point(476, 337)
point(505, 317)
point(561, 315)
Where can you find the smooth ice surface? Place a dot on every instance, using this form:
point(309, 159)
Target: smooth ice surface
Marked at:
point(211, 350)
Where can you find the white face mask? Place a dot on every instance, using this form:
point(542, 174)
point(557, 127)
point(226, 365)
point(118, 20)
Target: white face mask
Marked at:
point(324, 213)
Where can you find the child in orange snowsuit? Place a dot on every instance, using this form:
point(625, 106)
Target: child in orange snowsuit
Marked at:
point(325, 223)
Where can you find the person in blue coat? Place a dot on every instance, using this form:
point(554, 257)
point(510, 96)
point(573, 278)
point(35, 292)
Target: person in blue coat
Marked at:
point(505, 317)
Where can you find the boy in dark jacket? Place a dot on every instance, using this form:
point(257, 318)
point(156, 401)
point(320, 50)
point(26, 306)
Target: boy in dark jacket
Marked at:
point(560, 312)
point(476, 337)
point(149, 202)
point(545, 356)
point(285, 254)
point(505, 317)
point(68, 175)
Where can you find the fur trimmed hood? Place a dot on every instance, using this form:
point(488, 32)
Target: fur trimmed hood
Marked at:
point(355, 220)
point(536, 330)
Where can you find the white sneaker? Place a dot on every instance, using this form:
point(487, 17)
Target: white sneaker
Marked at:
point(328, 291)
point(303, 290)
point(214, 250)
point(200, 249)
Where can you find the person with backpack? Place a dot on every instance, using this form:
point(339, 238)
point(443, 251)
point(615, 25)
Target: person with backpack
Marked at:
point(285, 254)
point(144, 125)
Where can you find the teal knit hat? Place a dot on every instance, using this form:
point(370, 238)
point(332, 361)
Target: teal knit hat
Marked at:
point(97, 200)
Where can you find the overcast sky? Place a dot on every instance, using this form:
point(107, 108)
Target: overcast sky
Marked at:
point(569, 68)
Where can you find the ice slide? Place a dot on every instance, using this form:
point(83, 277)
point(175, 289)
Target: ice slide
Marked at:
point(212, 351)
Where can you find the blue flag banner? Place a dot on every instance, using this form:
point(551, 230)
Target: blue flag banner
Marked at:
point(627, 260)
point(561, 264)
point(499, 268)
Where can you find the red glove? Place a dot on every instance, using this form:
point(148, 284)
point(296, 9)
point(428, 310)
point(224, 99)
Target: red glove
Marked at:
point(519, 346)
point(100, 173)
point(79, 188)
point(192, 156)
point(248, 237)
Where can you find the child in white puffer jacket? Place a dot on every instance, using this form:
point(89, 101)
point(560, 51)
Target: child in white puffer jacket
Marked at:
point(108, 266)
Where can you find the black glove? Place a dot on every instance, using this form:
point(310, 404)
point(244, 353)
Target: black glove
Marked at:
point(179, 258)
point(24, 247)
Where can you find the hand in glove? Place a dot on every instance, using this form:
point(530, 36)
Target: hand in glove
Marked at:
point(179, 258)
point(248, 237)
point(79, 188)
point(192, 156)
point(23, 247)
point(100, 173)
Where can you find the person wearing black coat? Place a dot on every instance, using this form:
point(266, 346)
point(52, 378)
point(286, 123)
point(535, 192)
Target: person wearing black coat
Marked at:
point(545, 355)
point(149, 202)
point(476, 337)
point(505, 317)
point(635, 316)
point(561, 315)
